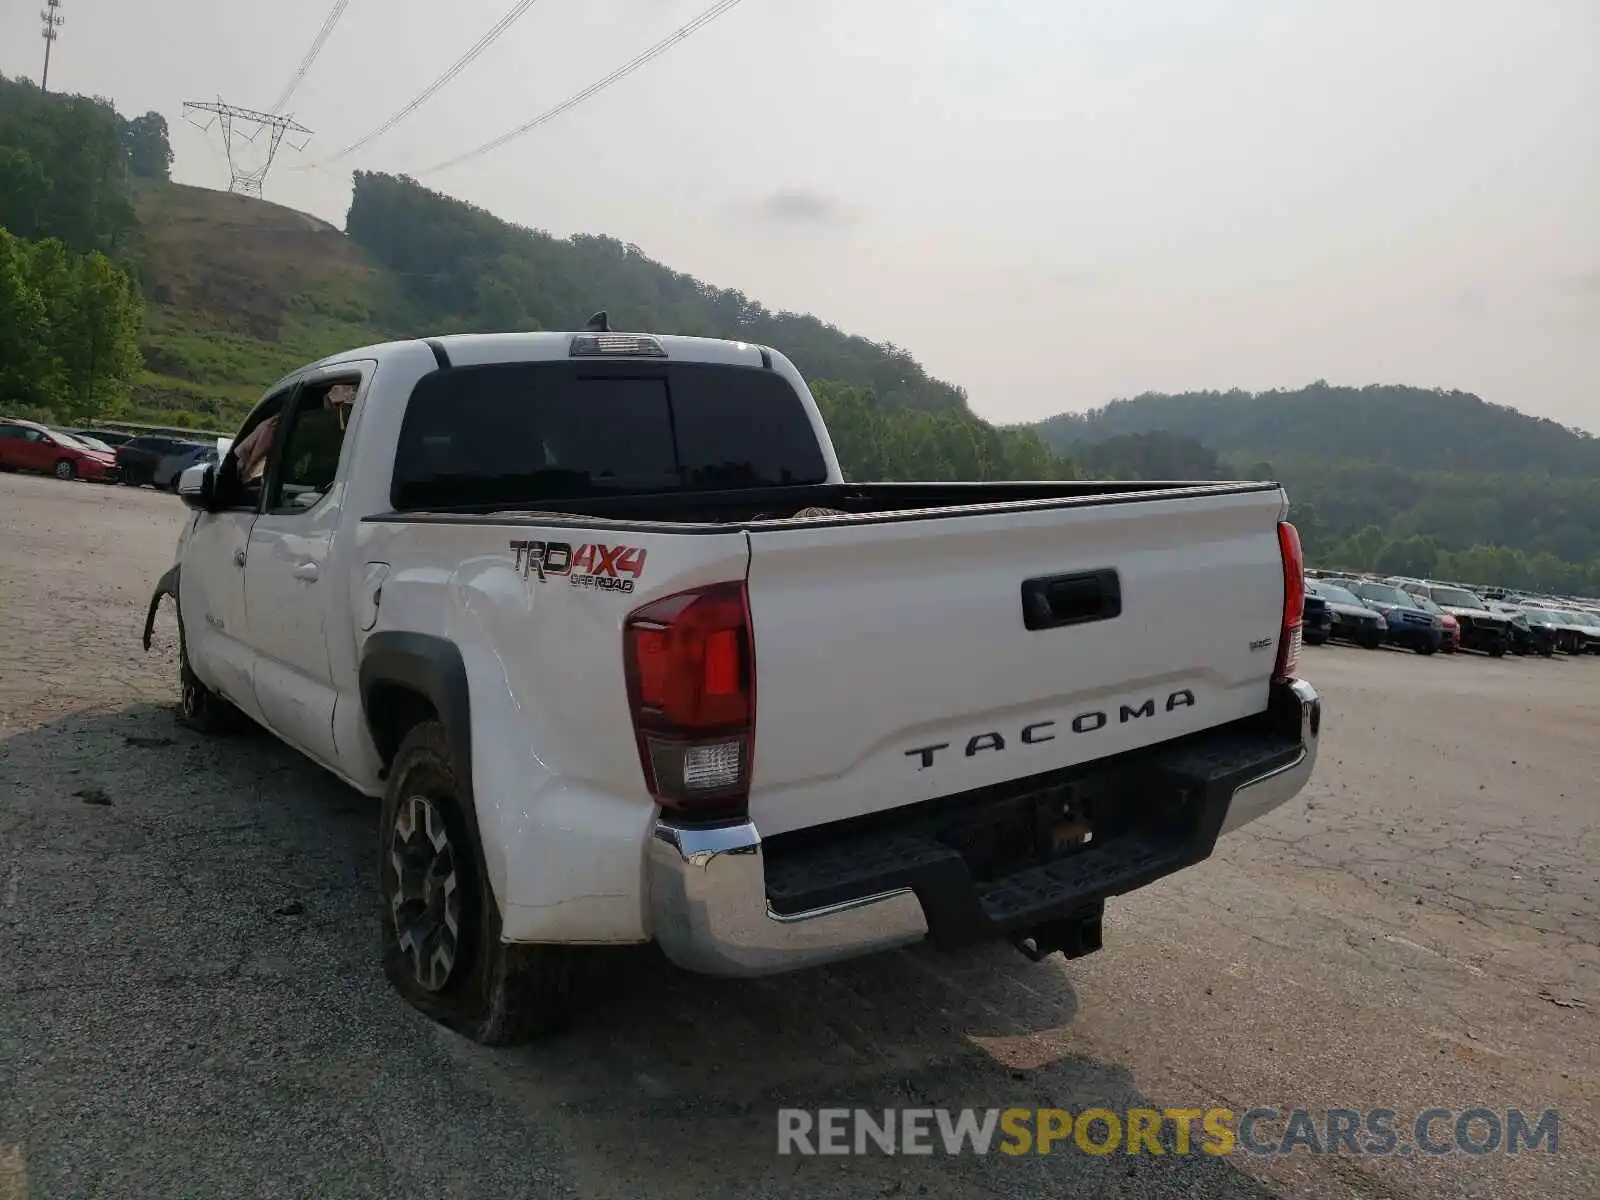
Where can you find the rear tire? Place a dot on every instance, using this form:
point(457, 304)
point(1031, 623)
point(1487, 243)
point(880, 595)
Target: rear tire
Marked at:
point(441, 926)
point(65, 469)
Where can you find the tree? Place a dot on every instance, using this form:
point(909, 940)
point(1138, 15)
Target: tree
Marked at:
point(24, 191)
point(149, 151)
point(1415, 556)
point(99, 342)
point(77, 321)
point(1153, 455)
point(28, 374)
point(877, 442)
point(74, 190)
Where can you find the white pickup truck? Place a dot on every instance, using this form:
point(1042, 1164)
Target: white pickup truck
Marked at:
point(627, 660)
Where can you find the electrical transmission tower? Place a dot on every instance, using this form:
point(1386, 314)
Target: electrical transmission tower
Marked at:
point(53, 21)
point(245, 124)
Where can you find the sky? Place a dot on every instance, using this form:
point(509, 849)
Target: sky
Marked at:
point(1052, 204)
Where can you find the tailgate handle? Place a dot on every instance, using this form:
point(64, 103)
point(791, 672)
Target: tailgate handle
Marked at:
point(1051, 601)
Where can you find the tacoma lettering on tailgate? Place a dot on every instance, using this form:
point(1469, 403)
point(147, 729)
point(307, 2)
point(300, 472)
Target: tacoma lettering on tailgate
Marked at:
point(1046, 731)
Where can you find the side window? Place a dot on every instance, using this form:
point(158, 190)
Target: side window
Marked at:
point(309, 461)
point(242, 472)
point(10, 432)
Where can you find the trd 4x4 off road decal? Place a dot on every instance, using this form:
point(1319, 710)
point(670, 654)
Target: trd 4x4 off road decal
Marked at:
point(592, 565)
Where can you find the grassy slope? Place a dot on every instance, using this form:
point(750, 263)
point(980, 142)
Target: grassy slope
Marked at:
point(238, 292)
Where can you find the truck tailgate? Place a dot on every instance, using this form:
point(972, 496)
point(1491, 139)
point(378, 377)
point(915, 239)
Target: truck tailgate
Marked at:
point(894, 663)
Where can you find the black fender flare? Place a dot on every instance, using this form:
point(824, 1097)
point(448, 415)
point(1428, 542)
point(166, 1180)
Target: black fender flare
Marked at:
point(430, 667)
point(167, 585)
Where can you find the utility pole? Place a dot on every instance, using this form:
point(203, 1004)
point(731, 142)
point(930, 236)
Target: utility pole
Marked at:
point(53, 21)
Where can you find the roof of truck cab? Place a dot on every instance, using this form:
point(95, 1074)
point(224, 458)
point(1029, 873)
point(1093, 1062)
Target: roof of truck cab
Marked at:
point(477, 349)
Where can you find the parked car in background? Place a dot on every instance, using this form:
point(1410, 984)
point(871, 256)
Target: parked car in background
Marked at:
point(1316, 620)
point(1449, 627)
point(93, 443)
point(1352, 619)
point(139, 457)
point(29, 446)
point(1526, 637)
point(1565, 637)
point(1587, 627)
point(109, 437)
point(173, 465)
point(1408, 625)
point(1481, 629)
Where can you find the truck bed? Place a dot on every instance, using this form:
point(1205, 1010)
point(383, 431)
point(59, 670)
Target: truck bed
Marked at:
point(716, 511)
point(927, 640)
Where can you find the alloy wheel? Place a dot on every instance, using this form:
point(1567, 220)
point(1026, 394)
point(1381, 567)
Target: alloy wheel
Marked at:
point(426, 903)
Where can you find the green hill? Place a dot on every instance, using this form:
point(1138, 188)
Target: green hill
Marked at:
point(465, 269)
point(240, 290)
point(1417, 428)
point(1384, 477)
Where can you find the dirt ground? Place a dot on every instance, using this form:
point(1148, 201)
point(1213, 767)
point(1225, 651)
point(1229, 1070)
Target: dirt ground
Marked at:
point(191, 1004)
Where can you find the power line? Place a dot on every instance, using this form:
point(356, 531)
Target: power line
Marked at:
point(311, 55)
point(622, 72)
point(461, 64)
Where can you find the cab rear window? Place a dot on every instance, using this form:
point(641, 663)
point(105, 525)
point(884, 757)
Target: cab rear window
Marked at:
point(532, 434)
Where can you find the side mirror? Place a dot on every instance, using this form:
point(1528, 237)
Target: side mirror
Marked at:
point(197, 485)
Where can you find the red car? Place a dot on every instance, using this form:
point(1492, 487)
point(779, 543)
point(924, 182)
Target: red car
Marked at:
point(28, 446)
point(1452, 633)
point(1451, 641)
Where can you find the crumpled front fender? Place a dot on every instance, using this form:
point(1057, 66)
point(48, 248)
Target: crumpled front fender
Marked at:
point(167, 585)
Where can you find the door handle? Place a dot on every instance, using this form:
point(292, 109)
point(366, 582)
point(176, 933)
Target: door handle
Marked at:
point(238, 557)
point(306, 571)
point(1055, 600)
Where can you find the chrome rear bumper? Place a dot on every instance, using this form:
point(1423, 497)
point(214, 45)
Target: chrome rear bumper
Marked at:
point(708, 897)
point(1261, 795)
point(709, 903)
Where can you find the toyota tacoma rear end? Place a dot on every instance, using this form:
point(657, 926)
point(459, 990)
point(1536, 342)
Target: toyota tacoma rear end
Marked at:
point(627, 660)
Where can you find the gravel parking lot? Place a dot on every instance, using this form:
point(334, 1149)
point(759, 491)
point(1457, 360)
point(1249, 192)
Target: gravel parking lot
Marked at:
point(191, 1003)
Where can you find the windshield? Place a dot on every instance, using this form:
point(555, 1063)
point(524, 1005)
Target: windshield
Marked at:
point(1335, 594)
point(1383, 593)
point(92, 443)
point(67, 440)
point(1459, 598)
point(1577, 618)
point(1542, 616)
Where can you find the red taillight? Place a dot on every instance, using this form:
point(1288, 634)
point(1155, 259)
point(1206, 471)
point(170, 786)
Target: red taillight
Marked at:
point(691, 688)
point(1294, 600)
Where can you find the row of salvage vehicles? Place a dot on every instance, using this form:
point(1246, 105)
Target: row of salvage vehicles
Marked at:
point(1428, 617)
